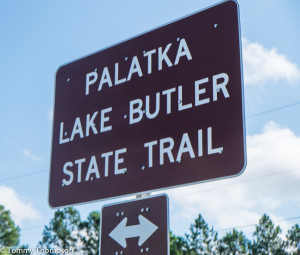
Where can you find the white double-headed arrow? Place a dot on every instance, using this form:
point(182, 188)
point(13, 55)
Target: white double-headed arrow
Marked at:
point(143, 230)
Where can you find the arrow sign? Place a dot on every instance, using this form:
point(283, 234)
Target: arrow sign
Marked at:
point(149, 227)
point(143, 230)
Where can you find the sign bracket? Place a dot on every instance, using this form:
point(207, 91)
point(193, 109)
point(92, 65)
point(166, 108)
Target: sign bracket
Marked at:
point(143, 195)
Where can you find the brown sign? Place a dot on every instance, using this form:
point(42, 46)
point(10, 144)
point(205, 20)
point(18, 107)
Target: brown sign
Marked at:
point(162, 109)
point(136, 227)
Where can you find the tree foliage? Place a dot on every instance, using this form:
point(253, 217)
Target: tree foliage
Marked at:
point(293, 240)
point(67, 231)
point(9, 232)
point(89, 233)
point(234, 243)
point(202, 239)
point(63, 230)
point(178, 245)
point(267, 240)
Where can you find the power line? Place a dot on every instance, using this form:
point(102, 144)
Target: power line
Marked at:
point(272, 110)
point(251, 225)
point(23, 175)
point(218, 230)
point(239, 182)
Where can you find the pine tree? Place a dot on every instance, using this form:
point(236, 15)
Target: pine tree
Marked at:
point(63, 230)
point(202, 240)
point(234, 243)
point(9, 232)
point(89, 233)
point(267, 240)
point(293, 240)
point(177, 245)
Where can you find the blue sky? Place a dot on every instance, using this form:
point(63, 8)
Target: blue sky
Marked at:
point(39, 36)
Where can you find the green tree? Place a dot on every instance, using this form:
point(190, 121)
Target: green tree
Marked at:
point(177, 245)
point(89, 233)
point(9, 232)
point(234, 243)
point(202, 240)
point(63, 230)
point(4, 251)
point(67, 231)
point(293, 240)
point(267, 240)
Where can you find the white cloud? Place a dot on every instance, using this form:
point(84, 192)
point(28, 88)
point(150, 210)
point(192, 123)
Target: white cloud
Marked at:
point(262, 65)
point(275, 149)
point(28, 154)
point(20, 211)
point(270, 184)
